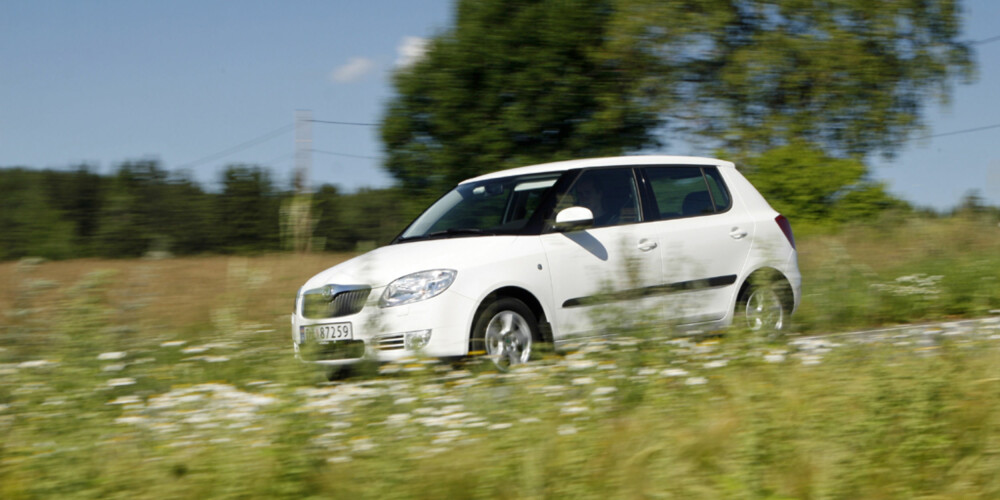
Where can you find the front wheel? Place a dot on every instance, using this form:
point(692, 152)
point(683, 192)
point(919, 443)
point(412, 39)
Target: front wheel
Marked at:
point(762, 307)
point(507, 328)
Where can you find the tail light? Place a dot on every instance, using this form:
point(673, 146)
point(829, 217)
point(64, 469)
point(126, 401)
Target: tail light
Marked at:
point(785, 228)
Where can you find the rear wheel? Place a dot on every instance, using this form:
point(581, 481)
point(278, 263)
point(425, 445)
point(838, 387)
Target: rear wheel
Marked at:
point(506, 330)
point(762, 308)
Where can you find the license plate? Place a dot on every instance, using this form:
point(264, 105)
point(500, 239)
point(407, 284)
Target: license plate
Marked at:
point(331, 332)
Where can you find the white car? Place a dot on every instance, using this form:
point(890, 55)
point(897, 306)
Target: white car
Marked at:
point(521, 256)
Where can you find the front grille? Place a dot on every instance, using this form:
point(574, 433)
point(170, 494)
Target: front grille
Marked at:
point(334, 301)
point(341, 349)
point(390, 342)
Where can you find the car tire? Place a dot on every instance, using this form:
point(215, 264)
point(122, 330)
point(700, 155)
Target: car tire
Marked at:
point(761, 307)
point(506, 330)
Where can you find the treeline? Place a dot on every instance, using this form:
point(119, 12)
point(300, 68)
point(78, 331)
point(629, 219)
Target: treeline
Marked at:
point(143, 209)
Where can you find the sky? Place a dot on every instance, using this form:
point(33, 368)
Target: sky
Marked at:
point(198, 85)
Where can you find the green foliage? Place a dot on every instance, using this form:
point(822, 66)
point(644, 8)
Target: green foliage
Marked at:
point(852, 77)
point(141, 209)
point(29, 224)
point(248, 210)
point(514, 82)
point(360, 220)
point(899, 270)
point(808, 186)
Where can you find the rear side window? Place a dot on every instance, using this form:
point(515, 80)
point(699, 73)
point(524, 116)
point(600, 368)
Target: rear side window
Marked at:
point(687, 191)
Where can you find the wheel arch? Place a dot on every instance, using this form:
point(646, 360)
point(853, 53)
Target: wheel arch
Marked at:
point(774, 277)
point(524, 296)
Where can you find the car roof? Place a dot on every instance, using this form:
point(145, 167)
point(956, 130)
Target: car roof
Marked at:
point(614, 161)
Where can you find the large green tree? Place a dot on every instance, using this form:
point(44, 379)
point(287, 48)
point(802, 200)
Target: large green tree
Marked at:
point(852, 77)
point(515, 82)
point(521, 81)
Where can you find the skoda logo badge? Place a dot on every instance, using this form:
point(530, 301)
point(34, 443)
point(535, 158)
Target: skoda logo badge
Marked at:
point(328, 292)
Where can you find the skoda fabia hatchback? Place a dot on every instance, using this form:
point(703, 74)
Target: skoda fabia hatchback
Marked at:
point(512, 258)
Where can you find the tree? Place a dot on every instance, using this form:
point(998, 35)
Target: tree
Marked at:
point(515, 82)
point(849, 76)
point(248, 209)
point(78, 195)
point(134, 213)
point(804, 183)
point(29, 226)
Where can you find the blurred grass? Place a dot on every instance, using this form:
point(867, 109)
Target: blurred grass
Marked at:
point(174, 378)
point(899, 270)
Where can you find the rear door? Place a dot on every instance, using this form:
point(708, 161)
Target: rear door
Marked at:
point(704, 240)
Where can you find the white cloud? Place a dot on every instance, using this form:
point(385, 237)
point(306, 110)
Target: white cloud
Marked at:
point(410, 50)
point(355, 69)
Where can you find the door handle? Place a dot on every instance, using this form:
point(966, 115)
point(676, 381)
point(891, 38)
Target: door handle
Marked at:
point(737, 234)
point(646, 245)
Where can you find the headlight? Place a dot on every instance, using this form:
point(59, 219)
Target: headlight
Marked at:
point(417, 286)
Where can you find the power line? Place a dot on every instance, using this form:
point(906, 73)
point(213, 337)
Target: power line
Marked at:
point(240, 147)
point(346, 123)
point(985, 40)
point(977, 129)
point(345, 155)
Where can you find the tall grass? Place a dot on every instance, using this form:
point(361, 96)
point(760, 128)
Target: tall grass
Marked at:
point(174, 378)
point(900, 271)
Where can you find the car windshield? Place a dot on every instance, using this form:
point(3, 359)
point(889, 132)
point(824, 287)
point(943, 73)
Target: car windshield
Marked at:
point(496, 206)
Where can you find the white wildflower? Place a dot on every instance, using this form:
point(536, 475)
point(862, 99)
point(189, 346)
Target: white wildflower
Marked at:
point(574, 410)
point(120, 382)
point(811, 360)
point(362, 445)
point(566, 430)
point(674, 372)
point(696, 381)
point(173, 343)
point(500, 427)
point(397, 419)
point(108, 356)
point(719, 363)
point(774, 358)
point(583, 381)
point(38, 363)
point(604, 391)
point(133, 419)
point(125, 400)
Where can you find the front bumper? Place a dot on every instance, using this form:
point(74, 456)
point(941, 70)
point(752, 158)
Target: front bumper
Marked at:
point(436, 327)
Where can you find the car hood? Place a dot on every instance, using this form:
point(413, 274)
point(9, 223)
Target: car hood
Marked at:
point(384, 265)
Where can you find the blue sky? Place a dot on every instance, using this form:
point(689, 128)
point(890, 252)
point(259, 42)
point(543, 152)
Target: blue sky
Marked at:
point(102, 82)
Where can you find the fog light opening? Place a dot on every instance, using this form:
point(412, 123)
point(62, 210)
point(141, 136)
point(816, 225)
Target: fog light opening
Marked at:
point(417, 340)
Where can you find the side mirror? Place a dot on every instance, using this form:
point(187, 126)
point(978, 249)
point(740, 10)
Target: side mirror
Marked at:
point(572, 218)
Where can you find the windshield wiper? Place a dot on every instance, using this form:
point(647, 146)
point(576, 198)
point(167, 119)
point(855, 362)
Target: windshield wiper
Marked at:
point(460, 231)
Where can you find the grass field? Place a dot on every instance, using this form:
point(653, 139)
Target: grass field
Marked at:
point(174, 379)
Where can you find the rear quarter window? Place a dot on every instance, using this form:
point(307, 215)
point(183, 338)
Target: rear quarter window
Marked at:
point(687, 191)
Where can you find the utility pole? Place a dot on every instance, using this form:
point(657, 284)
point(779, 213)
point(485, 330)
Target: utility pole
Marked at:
point(303, 149)
point(298, 231)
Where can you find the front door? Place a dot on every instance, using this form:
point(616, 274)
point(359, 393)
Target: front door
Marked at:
point(596, 271)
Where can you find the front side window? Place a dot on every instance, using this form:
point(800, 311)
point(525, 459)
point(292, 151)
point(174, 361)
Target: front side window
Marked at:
point(497, 206)
point(687, 191)
point(610, 194)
